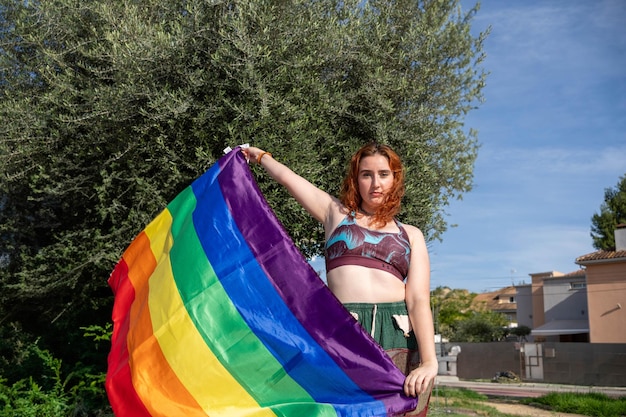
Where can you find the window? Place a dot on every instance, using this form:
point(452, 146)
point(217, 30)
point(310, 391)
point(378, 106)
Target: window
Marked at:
point(577, 285)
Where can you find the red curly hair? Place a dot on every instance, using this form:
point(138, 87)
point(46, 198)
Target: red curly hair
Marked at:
point(350, 196)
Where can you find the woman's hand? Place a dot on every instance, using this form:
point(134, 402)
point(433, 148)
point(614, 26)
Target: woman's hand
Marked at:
point(421, 378)
point(252, 154)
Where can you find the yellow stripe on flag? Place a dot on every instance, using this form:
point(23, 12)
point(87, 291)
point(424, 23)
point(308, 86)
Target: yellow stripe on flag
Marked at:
point(196, 366)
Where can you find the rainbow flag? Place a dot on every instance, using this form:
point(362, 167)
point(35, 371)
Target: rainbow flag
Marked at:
point(218, 313)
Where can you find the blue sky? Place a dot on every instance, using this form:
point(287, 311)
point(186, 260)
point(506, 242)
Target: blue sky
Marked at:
point(553, 137)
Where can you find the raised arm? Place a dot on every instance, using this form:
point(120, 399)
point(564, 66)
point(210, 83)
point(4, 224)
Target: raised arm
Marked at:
point(317, 202)
point(420, 314)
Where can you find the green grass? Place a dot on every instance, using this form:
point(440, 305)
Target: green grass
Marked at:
point(587, 404)
point(462, 402)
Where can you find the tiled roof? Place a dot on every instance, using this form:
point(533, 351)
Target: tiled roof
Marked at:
point(602, 255)
point(577, 273)
point(497, 300)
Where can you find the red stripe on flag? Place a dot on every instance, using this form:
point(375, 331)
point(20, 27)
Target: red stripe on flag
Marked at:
point(119, 385)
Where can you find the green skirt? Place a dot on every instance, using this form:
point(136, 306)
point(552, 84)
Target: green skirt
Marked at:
point(388, 324)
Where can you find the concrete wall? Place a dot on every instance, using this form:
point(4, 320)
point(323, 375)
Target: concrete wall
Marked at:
point(586, 364)
point(598, 364)
point(524, 306)
point(560, 302)
point(484, 360)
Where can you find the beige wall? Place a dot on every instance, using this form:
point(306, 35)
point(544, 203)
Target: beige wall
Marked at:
point(539, 318)
point(606, 299)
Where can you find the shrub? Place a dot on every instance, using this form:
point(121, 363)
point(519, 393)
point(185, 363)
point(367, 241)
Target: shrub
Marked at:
point(588, 404)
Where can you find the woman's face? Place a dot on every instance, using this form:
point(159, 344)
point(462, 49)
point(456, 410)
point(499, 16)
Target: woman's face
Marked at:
point(375, 179)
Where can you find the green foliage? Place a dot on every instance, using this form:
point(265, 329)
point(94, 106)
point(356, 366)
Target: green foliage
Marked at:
point(109, 109)
point(459, 319)
point(35, 383)
point(612, 213)
point(98, 333)
point(587, 404)
point(85, 387)
point(16, 360)
point(460, 402)
point(450, 307)
point(27, 397)
point(484, 326)
point(520, 331)
point(461, 394)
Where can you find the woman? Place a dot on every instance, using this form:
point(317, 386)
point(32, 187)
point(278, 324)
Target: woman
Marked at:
point(376, 266)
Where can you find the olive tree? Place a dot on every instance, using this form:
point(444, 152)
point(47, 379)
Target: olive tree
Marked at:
point(110, 108)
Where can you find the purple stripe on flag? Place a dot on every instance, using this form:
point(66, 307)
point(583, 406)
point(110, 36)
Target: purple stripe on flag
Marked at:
point(328, 322)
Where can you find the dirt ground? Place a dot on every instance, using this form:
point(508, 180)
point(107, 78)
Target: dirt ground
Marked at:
point(526, 410)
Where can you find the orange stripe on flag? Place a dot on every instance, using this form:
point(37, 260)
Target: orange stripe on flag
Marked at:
point(149, 368)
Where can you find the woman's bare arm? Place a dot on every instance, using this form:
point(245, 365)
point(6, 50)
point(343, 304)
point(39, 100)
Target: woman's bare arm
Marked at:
point(317, 202)
point(418, 305)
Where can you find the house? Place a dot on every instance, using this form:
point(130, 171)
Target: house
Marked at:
point(587, 305)
point(559, 307)
point(501, 301)
point(606, 291)
point(582, 306)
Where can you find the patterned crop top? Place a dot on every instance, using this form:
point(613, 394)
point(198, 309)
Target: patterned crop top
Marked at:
point(351, 244)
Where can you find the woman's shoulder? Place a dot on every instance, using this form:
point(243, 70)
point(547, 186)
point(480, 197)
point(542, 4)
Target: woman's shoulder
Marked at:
point(414, 232)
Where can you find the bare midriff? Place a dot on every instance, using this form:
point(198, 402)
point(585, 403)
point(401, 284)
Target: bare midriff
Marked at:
point(358, 284)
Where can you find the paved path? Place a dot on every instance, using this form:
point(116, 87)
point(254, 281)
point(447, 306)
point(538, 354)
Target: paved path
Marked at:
point(524, 389)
